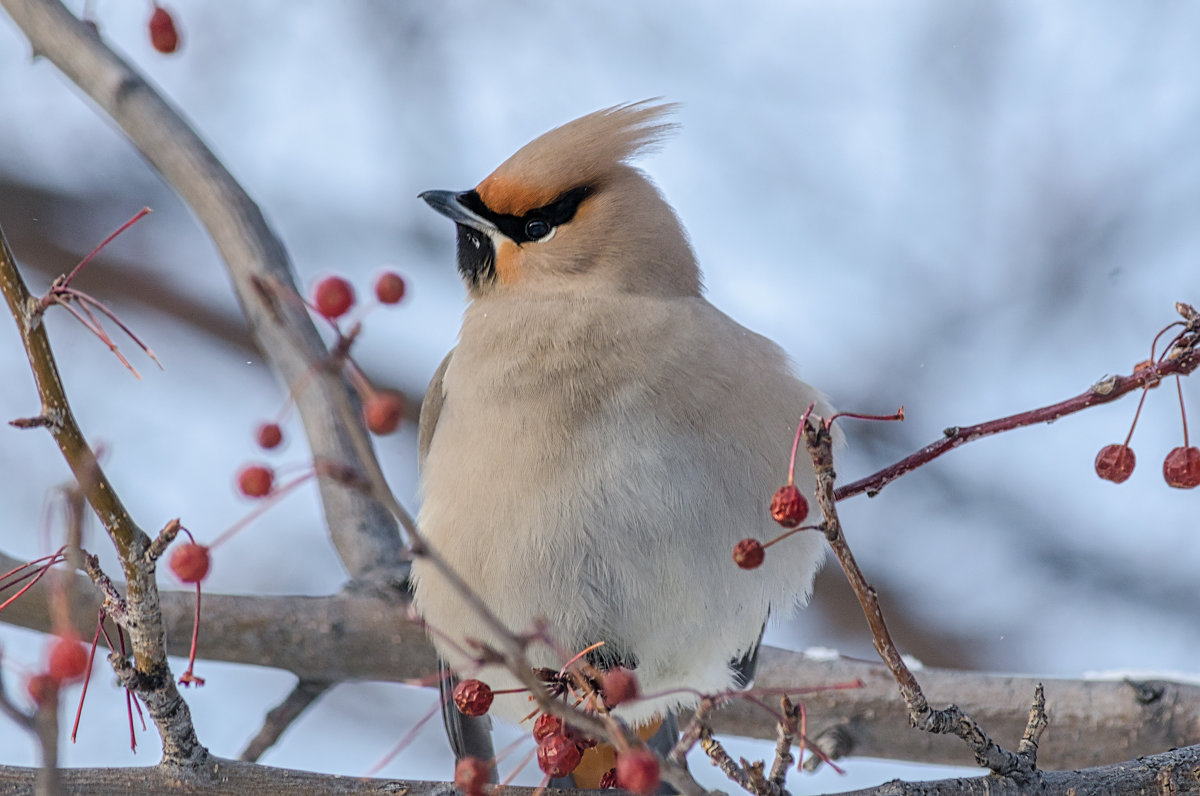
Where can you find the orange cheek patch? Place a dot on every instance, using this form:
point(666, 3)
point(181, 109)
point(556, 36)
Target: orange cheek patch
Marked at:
point(511, 198)
point(510, 262)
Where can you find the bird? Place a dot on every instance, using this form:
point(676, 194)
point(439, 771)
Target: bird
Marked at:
point(601, 436)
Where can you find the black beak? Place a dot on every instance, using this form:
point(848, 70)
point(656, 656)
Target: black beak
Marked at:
point(449, 204)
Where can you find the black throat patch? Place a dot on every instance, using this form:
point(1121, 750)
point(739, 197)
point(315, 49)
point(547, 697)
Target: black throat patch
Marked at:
point(476, 256)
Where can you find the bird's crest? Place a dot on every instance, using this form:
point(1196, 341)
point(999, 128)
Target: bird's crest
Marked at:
point(581, 152)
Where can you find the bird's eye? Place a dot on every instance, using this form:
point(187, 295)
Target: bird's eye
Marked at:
point(536, 229)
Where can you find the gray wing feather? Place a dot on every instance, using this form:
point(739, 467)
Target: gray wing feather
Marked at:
point(431, 409)
point(468, 736)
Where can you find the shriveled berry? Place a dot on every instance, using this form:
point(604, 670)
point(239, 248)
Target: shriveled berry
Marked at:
point(749, 554)
point(547, 725)
point(389, 287)
point(558, 755)
point(637, 772)
point(255, 480)
point(383, 412)
point(269, 435)
point(190, 562)
point(1181, 468)
point(41, 688)
point(1115, 463)
point(788, 506)
point(609, 780)
point(163, 34)
point(473, 697)
point(333, 297)
point(68, 659)
point(470, 775)
point(618, 686)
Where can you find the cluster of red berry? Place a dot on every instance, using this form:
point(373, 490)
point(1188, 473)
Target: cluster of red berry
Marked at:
point(560, 747)
point(789, 508)
point(66, 662)
point(333, 297)
point(1181, 467)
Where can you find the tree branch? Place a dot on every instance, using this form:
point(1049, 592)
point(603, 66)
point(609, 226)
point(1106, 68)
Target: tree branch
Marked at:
point(1181, 359)
point(150, 675)
point(282, 716)
point(364, 532)
point(340, 637)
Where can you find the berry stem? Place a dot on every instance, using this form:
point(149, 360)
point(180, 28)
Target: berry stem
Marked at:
point(796, 445)
point(578, 655)
point(1182, 409)
point(138, 216)
point(1136, 415)
point(188, 676)
point(87, 676)
point(897, 415)
point(44, 569)
point(270, 500)
point(406, 740)
point(792, 532)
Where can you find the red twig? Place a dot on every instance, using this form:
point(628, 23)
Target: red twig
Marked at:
point(87, 677)
point(1104, 391)
point(188, 677)
point(138, 216)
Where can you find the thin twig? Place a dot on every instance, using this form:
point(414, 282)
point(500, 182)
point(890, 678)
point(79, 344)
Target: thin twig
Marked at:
point(949, 720)
point(1184, 361)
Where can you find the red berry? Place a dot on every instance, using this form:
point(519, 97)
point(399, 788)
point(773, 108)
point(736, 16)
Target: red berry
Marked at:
point(255, 480)
point(163, 34)
point(618, 686)
point(190, 562)
point(547, 725)
point(609, 780)
point(1115, 463)
point(1181, 468)
point(389, 287)
point(41, 688)
point(470, 775)
point(749, 554)
point(637, 771)
point(68, 659)
point(383, 412)
point(269, 436)
point(558, 755)
point(788, 506)
point(333, 296)
point(473, 697)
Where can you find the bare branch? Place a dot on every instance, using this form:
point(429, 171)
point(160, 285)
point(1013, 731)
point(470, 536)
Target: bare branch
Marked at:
point(282, 716)
point(1181, 359)
point(363, 531)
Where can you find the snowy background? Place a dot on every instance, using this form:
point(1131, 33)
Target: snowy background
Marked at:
point(970, 209)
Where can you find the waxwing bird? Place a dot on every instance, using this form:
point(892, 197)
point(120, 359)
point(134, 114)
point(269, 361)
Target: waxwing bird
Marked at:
point(601, 436)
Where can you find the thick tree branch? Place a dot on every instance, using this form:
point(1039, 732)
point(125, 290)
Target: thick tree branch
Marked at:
point(356, 636)
point(1177, 771)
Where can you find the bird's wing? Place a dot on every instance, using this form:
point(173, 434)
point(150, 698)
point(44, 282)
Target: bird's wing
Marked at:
point(431, 409)
point(470, 736)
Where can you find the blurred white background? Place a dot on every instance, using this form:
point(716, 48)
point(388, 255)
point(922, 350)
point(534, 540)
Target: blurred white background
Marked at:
point(969, 209)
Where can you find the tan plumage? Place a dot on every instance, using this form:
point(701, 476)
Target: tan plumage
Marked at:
point(602, 436)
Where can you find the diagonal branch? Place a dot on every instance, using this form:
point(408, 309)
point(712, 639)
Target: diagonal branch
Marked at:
point(283, 716)
point(1182, 360)
point(150, 674)
point(362, 530)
